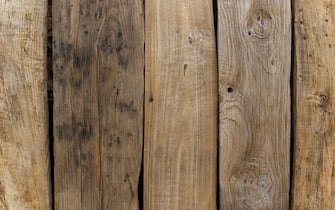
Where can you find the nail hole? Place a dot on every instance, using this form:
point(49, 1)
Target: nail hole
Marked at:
point(230, 89)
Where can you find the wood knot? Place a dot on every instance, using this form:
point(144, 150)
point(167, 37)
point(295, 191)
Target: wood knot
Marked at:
point(194, 38)
point(323, 100)
point(319, 99)
point(260, 24)
point(253, 184)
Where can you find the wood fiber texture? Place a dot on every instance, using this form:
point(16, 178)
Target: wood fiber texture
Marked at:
point(24, 145)
point(254, 56)
point(98, 55)
point(180, 143)
point(314, 118)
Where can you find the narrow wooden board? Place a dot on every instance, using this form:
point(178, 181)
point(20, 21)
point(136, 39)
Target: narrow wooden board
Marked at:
point(254, 47)
point(98, 110)
point(24, 145)
point(314, 148)
point(180, 106)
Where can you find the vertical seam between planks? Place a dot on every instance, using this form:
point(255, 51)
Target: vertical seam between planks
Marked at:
point(140, 189)
point(49, 48)
point(292, 94)
point(215, 18)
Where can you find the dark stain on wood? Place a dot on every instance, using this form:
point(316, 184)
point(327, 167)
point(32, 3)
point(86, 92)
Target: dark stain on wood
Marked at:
point(119, 34)
point(74, 131)
point(128, 107)
point(76, 62)
point(151, 98)
point(65, 51)
point(85, 132)
point(83, 58)
point(63, 132)
point(94, 69)
point(118, 141)
point(76, 84)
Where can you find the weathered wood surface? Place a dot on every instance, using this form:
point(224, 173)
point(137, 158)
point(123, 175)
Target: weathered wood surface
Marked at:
point(24, 145)
point(254, 43)
point(180, 106)
point(314, 148)
point(98, 111)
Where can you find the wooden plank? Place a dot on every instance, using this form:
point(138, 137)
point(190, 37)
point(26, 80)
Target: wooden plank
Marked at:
point(98, 110)
point(254, 42)
point(314, 149)
point(24, 146)
point(180, 105)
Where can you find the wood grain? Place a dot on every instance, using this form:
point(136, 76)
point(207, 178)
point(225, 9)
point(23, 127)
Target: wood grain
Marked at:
point(98, 111)
point(24, 145)
point(180, 106)
point(254, 42)
point(314, 148)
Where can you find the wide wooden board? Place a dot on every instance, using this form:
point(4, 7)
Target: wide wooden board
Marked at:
point(24, 144)
point(98, 65)
point(180, 106)
point(254, 50)
point(314, 148)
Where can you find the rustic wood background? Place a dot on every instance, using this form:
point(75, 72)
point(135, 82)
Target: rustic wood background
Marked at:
point(167, 104)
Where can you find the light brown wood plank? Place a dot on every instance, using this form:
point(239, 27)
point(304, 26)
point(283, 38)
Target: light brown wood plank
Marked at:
point(24, 144)
point(314, 148)
point(98, 110)
point(180, 106)
point(254, 47)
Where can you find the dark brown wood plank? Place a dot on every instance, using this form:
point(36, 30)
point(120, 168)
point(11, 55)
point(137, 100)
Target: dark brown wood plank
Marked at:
point(254, 43)
point(180, 106)
point(98, 111)
point(24, 144)
point(314, 148)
